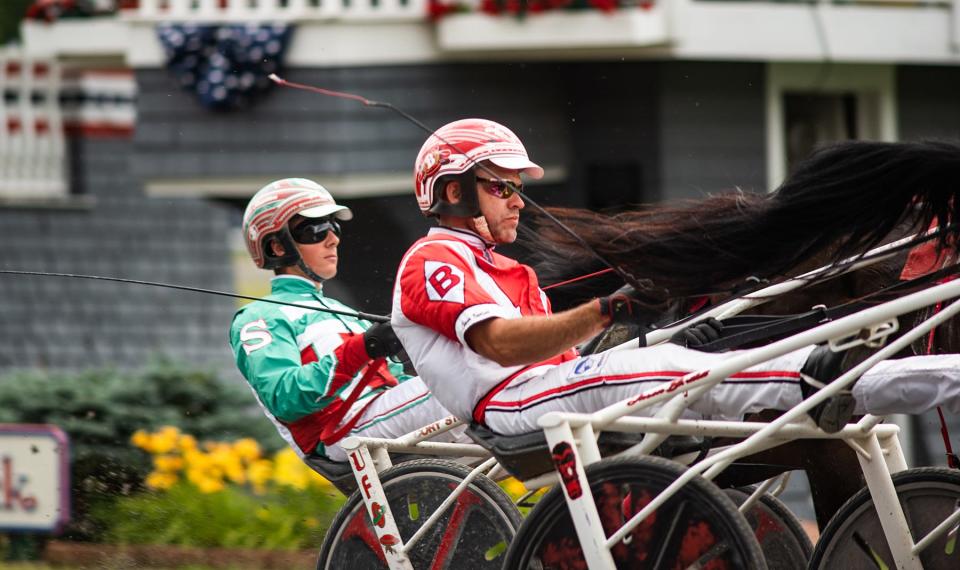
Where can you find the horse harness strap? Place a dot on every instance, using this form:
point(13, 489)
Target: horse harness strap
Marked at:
point(748, 329)
point(333, 432)
point(740, 331)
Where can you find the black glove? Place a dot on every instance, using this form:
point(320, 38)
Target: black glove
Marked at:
point(622, 307)
point(380, 340)
point(699, 334)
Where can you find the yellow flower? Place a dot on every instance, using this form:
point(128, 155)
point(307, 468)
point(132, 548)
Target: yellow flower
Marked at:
point(165, 440)
point(161, 481)
point(513, 487)
point(210, 485)
point(311, 522)
point(187, 442)
point(168, 463)
point(290, 470)
point(247, 449)
point(259, 473)
point(141, 439)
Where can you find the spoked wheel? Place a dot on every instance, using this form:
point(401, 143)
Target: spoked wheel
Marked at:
point(699, 527)
point(784, 543)
point(854, 538)
point(473, 533)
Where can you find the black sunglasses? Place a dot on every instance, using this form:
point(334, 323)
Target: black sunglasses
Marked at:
point(499, 188)
point(314, 231)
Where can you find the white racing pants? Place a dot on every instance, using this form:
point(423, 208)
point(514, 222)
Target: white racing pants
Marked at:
point(399, 411)
point(910, 385)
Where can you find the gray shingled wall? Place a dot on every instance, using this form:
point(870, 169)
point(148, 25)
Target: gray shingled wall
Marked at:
point(695, 127)
point(69, 324)
point(293, 131)
point(712, 128)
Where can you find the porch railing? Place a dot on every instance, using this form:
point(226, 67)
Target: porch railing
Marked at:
point(32, 146)
point(274, 10)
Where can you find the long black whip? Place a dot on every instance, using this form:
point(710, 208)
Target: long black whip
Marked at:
point(356, 314)
point(626, 276)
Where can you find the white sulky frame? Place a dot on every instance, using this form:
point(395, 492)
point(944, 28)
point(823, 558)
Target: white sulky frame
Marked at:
point(369, 456)
point(877, 446)
point(878, 449)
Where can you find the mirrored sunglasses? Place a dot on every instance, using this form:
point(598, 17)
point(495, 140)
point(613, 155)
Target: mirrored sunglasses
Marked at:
point(499, 188)
point(314, 231)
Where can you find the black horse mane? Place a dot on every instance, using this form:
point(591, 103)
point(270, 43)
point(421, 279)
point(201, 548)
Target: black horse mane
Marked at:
point(843, 200)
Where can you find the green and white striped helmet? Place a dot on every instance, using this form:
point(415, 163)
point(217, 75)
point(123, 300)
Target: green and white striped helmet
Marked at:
point(272, 207)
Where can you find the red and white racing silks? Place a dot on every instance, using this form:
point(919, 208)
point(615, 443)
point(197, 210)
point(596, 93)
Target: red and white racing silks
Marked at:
point(452, 280)
point(449, 281)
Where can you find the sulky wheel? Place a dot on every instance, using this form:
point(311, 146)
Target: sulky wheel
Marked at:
point(473, 533)
point(854, 539)
point(699, 527)
point(784, 543)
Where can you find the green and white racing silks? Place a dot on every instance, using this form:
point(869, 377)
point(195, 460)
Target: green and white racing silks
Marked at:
point(303, 364)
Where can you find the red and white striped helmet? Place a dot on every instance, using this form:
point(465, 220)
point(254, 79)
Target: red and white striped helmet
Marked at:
point(270, 210)
point(457, 147)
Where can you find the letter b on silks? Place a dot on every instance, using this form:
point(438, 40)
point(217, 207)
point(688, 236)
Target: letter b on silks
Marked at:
point(444, 282)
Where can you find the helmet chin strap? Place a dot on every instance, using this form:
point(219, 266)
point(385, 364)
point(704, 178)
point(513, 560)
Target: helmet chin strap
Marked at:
point(482, 229)
point(309, 272)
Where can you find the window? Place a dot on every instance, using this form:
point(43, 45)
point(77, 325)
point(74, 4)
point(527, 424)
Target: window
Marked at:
point(812, 104)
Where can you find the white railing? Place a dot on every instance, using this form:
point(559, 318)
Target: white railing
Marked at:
point(275, 10)
point(32, 145)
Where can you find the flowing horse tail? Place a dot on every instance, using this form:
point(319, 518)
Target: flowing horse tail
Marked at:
point(843, 200)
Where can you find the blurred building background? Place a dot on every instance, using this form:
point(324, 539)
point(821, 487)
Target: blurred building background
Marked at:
point(121, 155)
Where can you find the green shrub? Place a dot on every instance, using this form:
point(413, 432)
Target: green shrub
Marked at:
point(284, 518)
point(100, 410)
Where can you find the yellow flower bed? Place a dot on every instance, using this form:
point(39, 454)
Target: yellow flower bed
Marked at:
point(213, 465)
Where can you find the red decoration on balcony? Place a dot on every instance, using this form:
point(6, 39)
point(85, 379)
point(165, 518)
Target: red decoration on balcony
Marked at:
point(604, 5)
point(490, 7)
point(440, 8)
point(437, 9)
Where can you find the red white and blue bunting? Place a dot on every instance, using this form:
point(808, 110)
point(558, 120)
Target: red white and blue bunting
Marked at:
point(225, 66)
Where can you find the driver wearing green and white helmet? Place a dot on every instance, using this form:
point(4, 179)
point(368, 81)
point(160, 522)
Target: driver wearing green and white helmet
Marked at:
point(318, 376)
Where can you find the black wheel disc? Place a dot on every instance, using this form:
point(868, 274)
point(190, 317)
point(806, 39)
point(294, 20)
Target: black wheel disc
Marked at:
point(699, 527)
point(473, 533)
point(784, 543)
point(854, 538)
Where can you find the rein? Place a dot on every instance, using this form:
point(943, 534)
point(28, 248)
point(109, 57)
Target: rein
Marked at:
point(356, 314)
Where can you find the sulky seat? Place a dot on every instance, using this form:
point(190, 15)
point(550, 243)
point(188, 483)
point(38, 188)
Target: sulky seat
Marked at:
point(337, 472)
point(341, 475)
point(526, 456)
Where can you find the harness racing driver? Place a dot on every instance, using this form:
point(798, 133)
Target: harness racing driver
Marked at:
point(459, 306)
point(318, 376)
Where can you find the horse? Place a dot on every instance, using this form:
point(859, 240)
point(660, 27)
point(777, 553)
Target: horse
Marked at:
point(843, 200)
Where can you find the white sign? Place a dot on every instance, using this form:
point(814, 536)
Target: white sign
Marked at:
point(34, 478)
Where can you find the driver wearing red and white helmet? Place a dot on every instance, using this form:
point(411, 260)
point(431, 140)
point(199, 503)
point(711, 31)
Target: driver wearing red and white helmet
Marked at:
point(460, 306)
point(318, 376)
